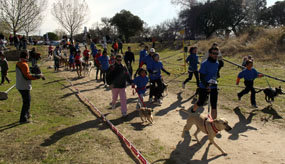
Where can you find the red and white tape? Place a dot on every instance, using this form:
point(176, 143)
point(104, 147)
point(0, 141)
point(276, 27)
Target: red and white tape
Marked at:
point(136, 153)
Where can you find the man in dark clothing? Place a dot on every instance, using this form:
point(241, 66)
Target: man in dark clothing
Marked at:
point(119, 76)
point(120, 44)
point(4, 68)
point(129, 58)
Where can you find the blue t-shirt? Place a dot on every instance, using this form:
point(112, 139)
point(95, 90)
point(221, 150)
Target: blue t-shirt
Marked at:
point(148, 60)
point(193, 60)
point(156, 70)
point(104, 61)
point(210, 70)
point(141, 83)
point(248, 75)
point(143, 54)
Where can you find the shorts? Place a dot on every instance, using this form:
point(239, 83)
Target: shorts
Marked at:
point(86, 58)
point(203, 97)
point(77, 63)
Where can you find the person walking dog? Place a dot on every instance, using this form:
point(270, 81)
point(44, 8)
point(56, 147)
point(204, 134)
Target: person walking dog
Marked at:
point(249, 74)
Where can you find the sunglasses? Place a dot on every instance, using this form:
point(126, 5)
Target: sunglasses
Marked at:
point(119, 59)
point(215, 53)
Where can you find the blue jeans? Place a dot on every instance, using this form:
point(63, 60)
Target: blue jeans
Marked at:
point(26, 97)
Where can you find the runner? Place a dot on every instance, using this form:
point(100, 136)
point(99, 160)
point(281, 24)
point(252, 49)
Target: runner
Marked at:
point(86, 54)
point(148, 60)
point(119, 76)
point(4, 68)
point(143, 54)
point(249, 74)
point(50, 50)
point(78, 63)
point(129, 58)
point(141, 82)
point(104, 66)
point(56, 58)
point(193, 61)
point(220, 58)
point(156, 84)
point(97, 64)
point(208, 82)
point(115, 46)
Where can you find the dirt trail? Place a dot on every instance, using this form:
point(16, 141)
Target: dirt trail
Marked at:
point(250, 141)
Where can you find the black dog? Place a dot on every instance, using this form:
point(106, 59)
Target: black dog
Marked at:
point(270, 93)
point(36, 70)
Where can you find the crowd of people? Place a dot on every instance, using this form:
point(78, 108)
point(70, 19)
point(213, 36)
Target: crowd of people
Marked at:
point(114, 74)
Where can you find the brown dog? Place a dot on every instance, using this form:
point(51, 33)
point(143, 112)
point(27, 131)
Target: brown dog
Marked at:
point(146, 114)
point(211, 128)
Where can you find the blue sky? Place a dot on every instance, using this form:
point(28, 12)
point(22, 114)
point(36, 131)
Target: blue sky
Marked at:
point(153, 12)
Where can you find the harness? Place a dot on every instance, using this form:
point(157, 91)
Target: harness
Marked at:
point(212, 125)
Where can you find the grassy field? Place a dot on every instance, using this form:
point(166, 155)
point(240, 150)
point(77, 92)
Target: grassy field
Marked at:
point(64, 131)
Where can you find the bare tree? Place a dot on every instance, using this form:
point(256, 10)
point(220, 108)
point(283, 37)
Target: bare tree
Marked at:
point(33, 25)
point(16, 14)
point(185, 3)
point(70, 14)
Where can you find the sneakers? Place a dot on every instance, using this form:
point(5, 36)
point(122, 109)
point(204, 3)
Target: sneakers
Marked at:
point(159, 101)
point(254, 106)
point(113, 106)
point(239, 98)
point(138, 106)
point(183, 85)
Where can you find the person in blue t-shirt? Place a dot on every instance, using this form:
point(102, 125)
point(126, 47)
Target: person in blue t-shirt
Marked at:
point(141, 82)
point(249, 74)
point(208, 82)
point(156, 84)
point(94, 49)
point(193, 61)
point(148, 60)
point(104, 65)
point(143, 54)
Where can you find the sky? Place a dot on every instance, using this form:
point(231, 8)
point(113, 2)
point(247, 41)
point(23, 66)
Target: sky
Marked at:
point(152, 12)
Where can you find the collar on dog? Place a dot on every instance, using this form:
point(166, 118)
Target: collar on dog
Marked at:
point(212, 125)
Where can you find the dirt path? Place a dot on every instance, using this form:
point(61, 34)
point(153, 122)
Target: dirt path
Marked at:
point(250, 141)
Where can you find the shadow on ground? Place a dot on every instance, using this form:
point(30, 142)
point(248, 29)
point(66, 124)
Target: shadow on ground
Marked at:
point(184, 152)
point(243, 124)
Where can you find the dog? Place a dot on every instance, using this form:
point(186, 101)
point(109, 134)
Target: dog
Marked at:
point(270, 93)
point(87, 68)
point(210, 128)
point(146, 114)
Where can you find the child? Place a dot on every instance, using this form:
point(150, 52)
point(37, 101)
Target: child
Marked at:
point(112, 58)
point(249, 74)
point(192, 59)
point(156, 85)
point(71, 61)
point(78, 63)
point(86, 55)
point(4, 68)
point(97, 64)
point(141, 82)
point(50, 50)
point(104, 65)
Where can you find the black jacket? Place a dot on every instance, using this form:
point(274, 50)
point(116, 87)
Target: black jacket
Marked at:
point(119, 76)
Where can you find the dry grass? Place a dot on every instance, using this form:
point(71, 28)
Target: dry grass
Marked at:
point(263, 44)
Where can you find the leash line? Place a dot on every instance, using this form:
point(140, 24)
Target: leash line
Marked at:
point(131, 147)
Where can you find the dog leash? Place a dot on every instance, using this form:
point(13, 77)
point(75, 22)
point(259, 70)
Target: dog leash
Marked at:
point(140, 97)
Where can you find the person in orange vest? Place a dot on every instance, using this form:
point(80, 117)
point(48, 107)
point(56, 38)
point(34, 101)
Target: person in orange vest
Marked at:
point(24, 86)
